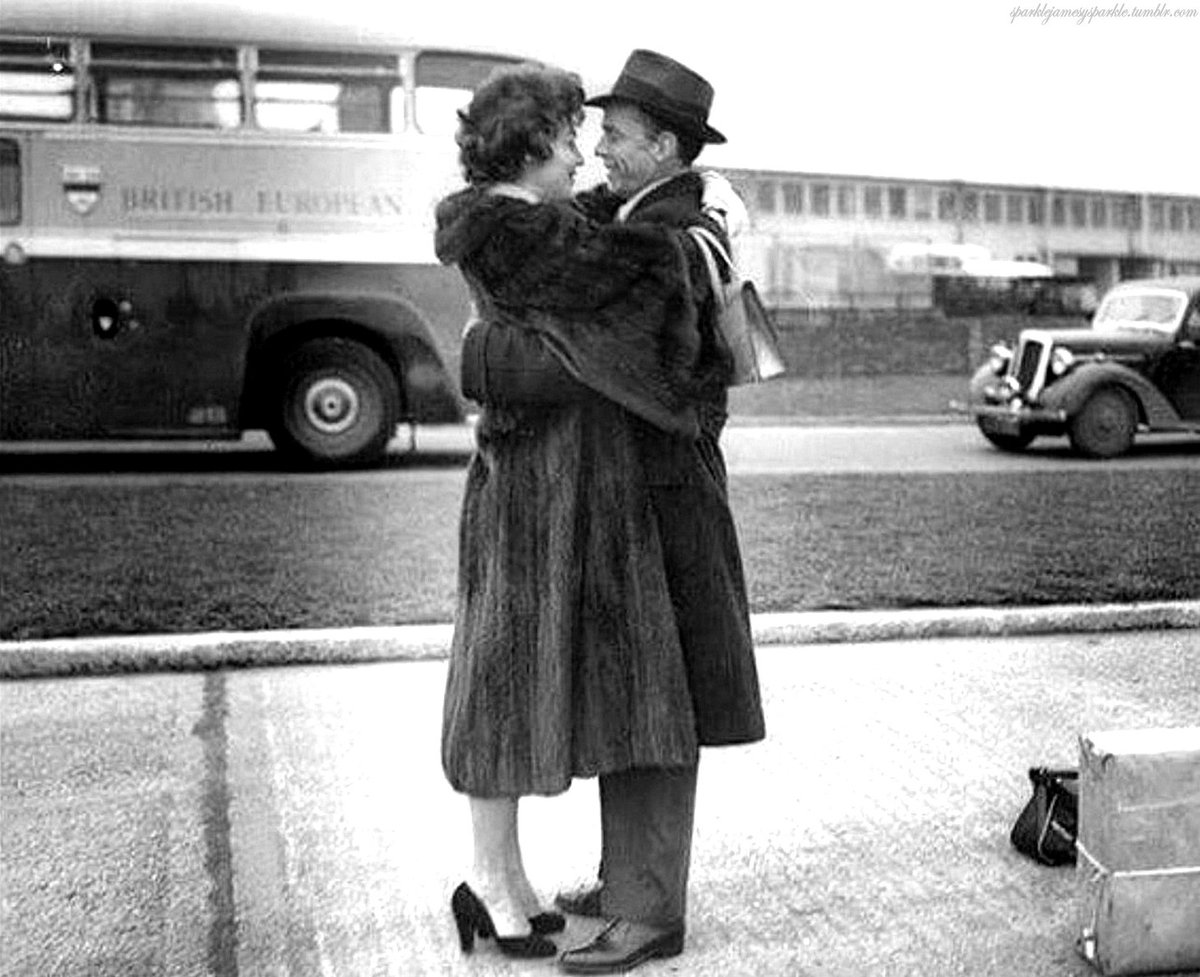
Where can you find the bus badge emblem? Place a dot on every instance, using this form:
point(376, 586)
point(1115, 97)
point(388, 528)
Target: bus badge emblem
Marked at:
point(81, 184)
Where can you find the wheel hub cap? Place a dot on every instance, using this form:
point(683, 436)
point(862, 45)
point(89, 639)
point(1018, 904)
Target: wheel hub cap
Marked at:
point(331, 406)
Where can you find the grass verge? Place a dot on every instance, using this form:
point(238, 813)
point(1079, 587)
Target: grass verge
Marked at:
point(153, 556)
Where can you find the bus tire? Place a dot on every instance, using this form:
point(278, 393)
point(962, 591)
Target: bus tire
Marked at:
point(336, 404)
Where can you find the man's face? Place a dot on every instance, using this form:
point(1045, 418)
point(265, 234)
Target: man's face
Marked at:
point(632, 157)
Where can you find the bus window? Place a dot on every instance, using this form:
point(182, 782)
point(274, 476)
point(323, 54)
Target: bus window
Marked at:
point(445, 82)
point(193, 87)
point(36, 81)
point(10, 183)
point(315, 92)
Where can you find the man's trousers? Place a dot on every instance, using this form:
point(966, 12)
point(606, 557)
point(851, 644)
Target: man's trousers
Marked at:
point(646, 818)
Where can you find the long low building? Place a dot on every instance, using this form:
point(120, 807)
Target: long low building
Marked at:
point(823, 239)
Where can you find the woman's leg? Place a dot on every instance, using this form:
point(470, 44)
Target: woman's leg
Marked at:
point(526, 894)
point(499, 877)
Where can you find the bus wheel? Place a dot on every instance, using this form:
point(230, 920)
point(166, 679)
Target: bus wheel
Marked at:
point(336, 404)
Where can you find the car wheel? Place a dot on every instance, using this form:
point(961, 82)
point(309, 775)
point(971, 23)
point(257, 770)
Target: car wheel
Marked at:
point(336, 404)
point(1005, 440)
point(1105, 424)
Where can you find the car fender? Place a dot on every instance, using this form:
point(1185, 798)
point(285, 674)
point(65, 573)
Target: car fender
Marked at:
point(981, 380)
point(1072, 391)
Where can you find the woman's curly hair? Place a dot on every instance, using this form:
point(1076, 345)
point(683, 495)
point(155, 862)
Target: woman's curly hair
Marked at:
point(514, 117)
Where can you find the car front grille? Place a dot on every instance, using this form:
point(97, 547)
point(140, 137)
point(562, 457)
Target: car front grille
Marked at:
point(1027, 359)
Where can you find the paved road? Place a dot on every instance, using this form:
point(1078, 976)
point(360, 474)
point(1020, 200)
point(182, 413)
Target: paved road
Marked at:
point(294, 821)
point(928, 448)
point(749, 448)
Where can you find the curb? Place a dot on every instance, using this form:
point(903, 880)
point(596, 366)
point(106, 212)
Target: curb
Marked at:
point(59, 657)
point(847, 420)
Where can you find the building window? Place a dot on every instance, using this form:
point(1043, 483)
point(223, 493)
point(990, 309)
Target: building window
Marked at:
point(1016, 208)
point(1193, 212)
point(846, 201)
point(1078, 212)
point(1037, 209)
point(1058, 211)
point(1099, 212)
point(923, 203)
point(1157, 215)
point(819, 199)
point(897, 203)
point(765, 196)
point(873, 201)
point(991, 208)
point(970, 205)
point(1133, 214)
point(793, 198)
point(1176, 217)
point(947, 205)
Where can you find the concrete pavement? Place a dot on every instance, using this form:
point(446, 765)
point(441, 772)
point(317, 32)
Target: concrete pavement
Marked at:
point(288, 822)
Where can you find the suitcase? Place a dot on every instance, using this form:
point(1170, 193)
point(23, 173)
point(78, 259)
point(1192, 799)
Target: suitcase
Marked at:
point(1138, 850)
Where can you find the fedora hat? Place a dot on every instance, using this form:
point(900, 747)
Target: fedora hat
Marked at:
point(670, 92)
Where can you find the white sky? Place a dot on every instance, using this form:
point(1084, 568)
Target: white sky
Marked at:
point(938, 89)
point(929, 88)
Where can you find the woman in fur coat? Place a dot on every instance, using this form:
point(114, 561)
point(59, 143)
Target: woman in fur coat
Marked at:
point(566, 659)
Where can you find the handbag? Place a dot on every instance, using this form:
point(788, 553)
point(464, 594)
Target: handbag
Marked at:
point(1045, 830)
point(742, 319)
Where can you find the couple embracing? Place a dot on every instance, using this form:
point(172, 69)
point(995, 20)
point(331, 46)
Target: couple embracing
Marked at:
point(602, 626)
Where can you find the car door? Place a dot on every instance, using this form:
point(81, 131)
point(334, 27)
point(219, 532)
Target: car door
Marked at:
point(1178, 373)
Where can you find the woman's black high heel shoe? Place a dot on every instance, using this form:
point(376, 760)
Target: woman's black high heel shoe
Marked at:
point(548, 922)
point(471, 917)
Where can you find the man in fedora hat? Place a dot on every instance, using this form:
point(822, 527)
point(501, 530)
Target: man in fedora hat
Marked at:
point(655, 125)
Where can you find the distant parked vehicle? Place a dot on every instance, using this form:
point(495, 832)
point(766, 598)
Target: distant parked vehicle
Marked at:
point(1136, 369)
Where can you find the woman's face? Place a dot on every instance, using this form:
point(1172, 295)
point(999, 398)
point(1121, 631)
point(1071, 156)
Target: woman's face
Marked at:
point(554, 178)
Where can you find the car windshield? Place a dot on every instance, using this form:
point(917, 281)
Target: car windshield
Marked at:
point(1158, 310)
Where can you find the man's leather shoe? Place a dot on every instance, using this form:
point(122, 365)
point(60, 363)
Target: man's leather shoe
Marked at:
point(581, 902)
point(621, 946)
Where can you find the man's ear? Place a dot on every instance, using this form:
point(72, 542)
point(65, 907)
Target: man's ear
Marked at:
point(666, 145)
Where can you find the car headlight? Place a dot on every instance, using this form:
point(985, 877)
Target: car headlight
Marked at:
point(1061, 360)
point(998, 358)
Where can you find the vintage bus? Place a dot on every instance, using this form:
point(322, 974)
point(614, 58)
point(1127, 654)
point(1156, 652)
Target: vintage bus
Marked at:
point(211, 227)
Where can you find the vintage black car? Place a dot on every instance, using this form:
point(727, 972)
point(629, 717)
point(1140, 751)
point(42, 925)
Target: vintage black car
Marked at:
point(1136, 369)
